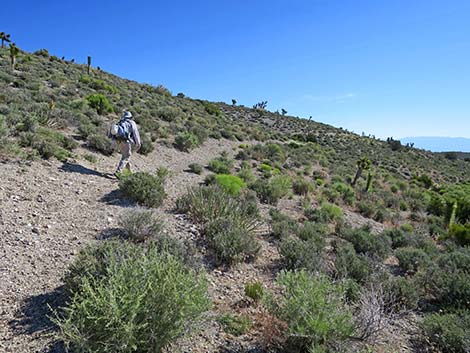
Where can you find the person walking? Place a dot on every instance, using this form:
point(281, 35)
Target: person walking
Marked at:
point(128, 137)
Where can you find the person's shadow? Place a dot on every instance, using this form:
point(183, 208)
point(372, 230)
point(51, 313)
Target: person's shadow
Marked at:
point(77, 168)
point(35, 316)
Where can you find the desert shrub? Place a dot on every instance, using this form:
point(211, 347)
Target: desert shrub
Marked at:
point(221, 165)
point(411, 259)
point(272, 190)
point(140, 225)
point(86, 129)
point(100, 103)
point(230, 183)
point(447, 279)
point(327, 212)
point(302, 186)
point(348, 264)
point(246, 174)
point(208, 203)
point(230, 241)
point(448, 333)
point(346, 191)
point(365, 242)
point(254, 290)
point(186, 141)
point(366, 208)
point(314, 310)
point(167, 113)
point(460, 233)
point(101, 143)
point(146, 144)
point(282, 225)
point(48, 143)
point(140, 301)
point(212, 109)
point(400, 293)
point(144, 188)
point(312, 230)
point(235, 324)
point(300, 254)
point(195, 168)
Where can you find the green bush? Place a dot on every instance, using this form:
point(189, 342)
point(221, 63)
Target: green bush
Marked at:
point(272, 190)
point(254, 290)
point(146, 146)
point(49, 143)
point(365, 242)
point(230, 183)
point(348, 264)
point(140, 225)
point(235, 324)
point(314, 310)
point(101, 143)
point(100, 103)
point(282, 225)
point(195, 168)
point(448, 333)
point(447, 279)
point(311, 230)
point(140, 301)
point(208, 203)
point(231, 241)
point(221, 165)
point(144, 188)
point(300, 254)
point(186, 141)
point(411, 259)
point(327, 212)
point(460, 233)
point(246, 174)
point(302, 186)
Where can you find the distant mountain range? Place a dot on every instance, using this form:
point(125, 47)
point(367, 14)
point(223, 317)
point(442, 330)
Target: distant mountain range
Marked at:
point(439, 144)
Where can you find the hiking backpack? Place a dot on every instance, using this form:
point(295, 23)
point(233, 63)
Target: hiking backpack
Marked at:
point(122, 130)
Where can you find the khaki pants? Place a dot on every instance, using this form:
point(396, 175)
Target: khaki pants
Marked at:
point(126, 152)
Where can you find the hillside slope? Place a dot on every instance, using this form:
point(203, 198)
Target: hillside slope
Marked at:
point(375, 225)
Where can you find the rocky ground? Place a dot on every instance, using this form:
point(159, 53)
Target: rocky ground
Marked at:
point(50, 210)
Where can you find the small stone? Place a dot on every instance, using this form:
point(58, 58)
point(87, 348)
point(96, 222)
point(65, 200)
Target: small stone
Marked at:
point(35, 230)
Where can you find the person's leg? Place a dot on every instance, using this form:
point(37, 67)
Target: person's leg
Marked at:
point(125, 148)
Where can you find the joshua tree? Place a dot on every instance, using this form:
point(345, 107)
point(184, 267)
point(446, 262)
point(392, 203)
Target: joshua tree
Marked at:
point(88, 64)
point(362, 164)
point(5, 38)
point(369, 181)
point(261, 105)
point(14, 51)
point(234, 102)
point(283, 111)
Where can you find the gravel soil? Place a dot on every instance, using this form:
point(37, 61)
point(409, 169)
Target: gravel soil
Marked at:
point(49, 210)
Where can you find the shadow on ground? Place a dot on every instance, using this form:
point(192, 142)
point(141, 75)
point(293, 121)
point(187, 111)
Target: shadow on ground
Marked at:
point(111, 233)
point(77, 168)
point(116, 198)
point(34, 316)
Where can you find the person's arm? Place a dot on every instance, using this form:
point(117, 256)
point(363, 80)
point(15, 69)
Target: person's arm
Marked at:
point(136, 136)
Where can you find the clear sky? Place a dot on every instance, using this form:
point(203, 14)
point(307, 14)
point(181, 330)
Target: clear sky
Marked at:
point(387, 67)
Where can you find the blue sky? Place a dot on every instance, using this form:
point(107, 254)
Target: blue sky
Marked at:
point(389, 68)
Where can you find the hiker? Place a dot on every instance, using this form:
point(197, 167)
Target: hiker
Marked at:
point(127, 135)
